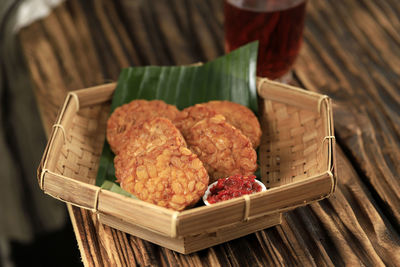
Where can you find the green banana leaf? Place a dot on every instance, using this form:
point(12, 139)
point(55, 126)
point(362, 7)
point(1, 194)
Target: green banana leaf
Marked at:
point(230, 77)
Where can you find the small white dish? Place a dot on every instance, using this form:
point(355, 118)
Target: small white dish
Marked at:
point(207, 193)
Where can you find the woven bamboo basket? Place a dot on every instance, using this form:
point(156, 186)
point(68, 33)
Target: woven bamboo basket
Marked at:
point(296, 157)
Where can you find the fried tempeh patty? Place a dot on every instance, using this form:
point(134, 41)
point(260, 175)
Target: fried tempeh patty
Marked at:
point(133, 114)
point(149, 134)
point(240, 117)
point(191, 115)
point(169, 176)
point(222, 148)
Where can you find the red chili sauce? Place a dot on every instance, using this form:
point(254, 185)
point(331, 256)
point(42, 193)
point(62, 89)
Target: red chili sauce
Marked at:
point(233, 186)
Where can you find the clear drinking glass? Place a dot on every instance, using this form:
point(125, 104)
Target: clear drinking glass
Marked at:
point(276, 24)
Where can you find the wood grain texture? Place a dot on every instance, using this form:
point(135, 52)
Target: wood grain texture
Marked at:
point(350, 52)
point(354, 58)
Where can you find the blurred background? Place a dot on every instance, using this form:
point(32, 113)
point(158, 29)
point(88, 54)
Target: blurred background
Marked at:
point(31, 223)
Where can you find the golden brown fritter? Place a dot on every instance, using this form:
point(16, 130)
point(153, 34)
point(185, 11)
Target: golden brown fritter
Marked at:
point(168, 176)
point(133, 114)
point(239, 116)
point(151, 133)
point(222, 148)
point(191, 115)
point(155, 132)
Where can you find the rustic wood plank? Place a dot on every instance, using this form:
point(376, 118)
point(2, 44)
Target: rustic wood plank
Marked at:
point(347, 228)
point(87, 43)
point(367, 100)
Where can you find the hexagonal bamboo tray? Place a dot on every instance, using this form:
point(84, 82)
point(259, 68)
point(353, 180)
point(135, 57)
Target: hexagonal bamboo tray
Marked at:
point(297, 161)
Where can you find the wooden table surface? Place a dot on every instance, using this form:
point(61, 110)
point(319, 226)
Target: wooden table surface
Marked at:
point(351, 52)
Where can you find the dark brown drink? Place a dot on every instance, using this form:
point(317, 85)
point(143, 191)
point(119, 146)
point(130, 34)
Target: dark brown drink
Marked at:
point(279, 32)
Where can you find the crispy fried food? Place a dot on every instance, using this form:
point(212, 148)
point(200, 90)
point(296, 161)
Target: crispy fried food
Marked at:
point(133, 114)
point(239, 116)
point(145, 136)
point(168, 176)
point(222, 148)
point(191, 115)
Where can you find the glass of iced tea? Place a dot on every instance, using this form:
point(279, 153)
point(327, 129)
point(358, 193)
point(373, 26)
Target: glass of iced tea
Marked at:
point(276, 24)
